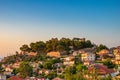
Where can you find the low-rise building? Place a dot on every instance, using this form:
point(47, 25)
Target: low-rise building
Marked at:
point(2, 77)
point(16, 65)
point(104, 51)
point(59, 71)
point(15, 78)
point(57, 78)
point(117, 54)
point(87, 63)
point(54, 54)
point(32, 54)
point(88, 56)
point(102, 70)
point(69, 61)
point(9, 69)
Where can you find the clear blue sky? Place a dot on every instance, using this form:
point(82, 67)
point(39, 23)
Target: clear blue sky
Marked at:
point(25, 21)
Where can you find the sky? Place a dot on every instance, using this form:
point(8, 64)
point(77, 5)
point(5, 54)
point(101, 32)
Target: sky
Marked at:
point(26, 21)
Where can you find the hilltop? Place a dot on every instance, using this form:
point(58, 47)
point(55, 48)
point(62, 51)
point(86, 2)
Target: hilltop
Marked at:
point(55, 58)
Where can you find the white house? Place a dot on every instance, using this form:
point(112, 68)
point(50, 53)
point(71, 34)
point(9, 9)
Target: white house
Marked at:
point(88, 56)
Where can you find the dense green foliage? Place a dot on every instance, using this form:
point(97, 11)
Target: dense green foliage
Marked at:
point(47, 65)
point(52, 75)
point(25, 70)
point(0, 67)
point(56, 45)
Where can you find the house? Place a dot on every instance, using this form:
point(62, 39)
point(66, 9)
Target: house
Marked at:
point(35, 66)
point(9, 69)
point(44, 71)
point(104, 51)
point(7, 73)
point(2, 77)
point(40, 62)
point(32, 54)
point(57, 78)
point(59, 71)
point(87, 63)
point(16, 65)
point(104, 54)
point(117, 62)
point(68, 58)
point(47, 71)
point(85, 50)
point(75, 53)
point(69, 61)
point(117, 54)
point(88, 56)
point(57, 64)
point(40, 71)
point(15, 78)
point(102, 70)
point(4, 65)
point(54, 54)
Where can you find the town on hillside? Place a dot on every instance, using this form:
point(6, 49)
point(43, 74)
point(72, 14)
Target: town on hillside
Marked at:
point(62, 59)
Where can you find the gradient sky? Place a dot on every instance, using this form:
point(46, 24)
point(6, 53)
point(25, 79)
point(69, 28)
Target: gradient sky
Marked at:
point(26, 21)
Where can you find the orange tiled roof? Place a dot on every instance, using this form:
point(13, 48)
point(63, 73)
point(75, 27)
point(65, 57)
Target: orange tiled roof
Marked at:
point(53, 54)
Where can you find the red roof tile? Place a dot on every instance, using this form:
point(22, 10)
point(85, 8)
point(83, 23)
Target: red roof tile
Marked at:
point(102, 69)
point(15, 78)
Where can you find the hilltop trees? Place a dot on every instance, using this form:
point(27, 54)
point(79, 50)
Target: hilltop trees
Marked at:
point(51, 45)
point(25, 48)
point(38, 47)
point(56, 45)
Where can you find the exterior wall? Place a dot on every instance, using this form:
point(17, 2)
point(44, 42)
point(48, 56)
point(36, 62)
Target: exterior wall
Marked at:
point(70, 63)
point(117, 57)
point(117, 54)
point(2, 77)
point(54, 54)
point(8, 69)
point(104, 51)
point(84, 57)
point(88, 56)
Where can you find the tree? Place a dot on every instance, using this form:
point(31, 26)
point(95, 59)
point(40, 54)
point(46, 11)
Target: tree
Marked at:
point(25, 70)
point(15, 71)
point(0, 68)
point(88, 43)
point(52, 75)
point(60, 48)
point(56, 60)
point(71, 70)
point(47, 65)
point(54, 43)
point(81, 67)
point(38, 47)
point(101, 47)
point(25, 48)
point(48, 46)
